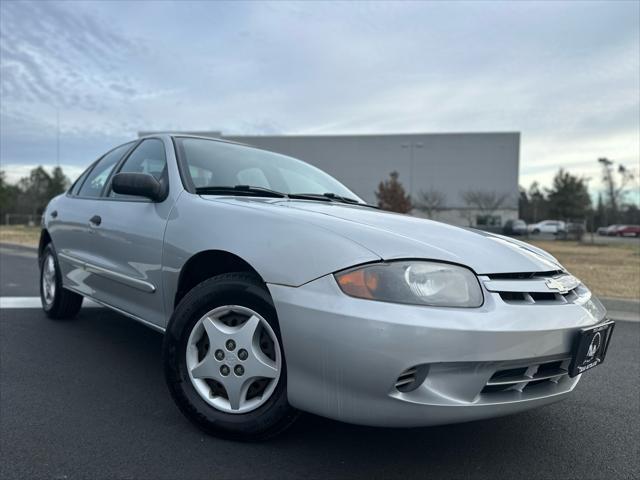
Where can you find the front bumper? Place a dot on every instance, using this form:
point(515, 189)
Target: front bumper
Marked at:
point(346, 355)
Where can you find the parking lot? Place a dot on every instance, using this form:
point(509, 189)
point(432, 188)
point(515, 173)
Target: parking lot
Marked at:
point(86, 399)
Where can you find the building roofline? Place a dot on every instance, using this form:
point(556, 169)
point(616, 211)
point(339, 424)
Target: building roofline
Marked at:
point(339, 135)
point(222, 136)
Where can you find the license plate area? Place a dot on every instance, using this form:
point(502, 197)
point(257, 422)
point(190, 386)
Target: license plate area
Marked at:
point(590, 347)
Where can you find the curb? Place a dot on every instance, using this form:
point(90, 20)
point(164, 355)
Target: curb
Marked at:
point(20, 250)
point(621, 309)
point(18, 246)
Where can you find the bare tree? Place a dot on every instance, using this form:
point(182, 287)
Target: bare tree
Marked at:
point(431, 201)
point(487, 203)
point(615, 189)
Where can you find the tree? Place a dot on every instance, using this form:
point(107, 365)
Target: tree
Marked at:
point(539, 203)
point(391, 195)
point(615, 188)
point(487, 203)
point(524, 204)
point(568, 197)
point(36, 188)
point(431, 201)
point(630, 214)
point(58, 183)
point(33, 192)
point(8, 195)
point(599, 214)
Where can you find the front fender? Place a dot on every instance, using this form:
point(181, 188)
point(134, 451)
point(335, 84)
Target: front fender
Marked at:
point(281, 249)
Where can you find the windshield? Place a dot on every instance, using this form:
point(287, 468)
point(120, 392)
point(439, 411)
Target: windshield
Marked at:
point(217, 164)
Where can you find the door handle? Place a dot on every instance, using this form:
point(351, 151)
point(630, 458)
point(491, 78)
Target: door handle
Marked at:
point(54, 214)
point(95, 220)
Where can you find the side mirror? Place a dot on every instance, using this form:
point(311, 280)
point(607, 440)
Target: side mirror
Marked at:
point(138, 184)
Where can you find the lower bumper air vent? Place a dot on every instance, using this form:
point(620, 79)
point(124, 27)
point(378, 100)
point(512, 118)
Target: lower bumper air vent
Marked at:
point(519, 379)
point(411, 378)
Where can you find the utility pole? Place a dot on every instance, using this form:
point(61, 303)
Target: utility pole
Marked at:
point(57, 137)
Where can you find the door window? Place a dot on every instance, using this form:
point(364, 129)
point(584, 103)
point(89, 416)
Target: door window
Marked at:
point(97, 177)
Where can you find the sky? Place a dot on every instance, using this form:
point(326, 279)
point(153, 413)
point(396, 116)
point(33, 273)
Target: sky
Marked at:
point(564, 74)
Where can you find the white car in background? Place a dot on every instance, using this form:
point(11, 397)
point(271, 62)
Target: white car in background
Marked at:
point(547, 226)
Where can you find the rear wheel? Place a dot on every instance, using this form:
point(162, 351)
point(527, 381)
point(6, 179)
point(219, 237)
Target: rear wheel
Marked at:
point(224, 362)
point(57, 302)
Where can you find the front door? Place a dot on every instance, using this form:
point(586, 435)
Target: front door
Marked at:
point(129, 239)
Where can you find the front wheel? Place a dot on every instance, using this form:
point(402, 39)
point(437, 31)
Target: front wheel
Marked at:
point(57, 302)
point(223, 359)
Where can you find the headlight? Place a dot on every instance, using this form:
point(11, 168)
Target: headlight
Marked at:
point(413, 282)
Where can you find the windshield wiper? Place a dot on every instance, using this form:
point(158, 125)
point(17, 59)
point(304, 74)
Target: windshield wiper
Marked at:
point(332, 197)
point(247, 190)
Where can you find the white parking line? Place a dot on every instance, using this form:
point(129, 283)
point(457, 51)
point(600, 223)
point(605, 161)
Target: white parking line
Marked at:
point(33, 302)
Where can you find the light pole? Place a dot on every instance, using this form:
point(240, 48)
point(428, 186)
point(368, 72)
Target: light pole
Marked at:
point(411, 146)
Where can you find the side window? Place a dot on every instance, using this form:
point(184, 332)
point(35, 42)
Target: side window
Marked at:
point(148, 157)
point(78, 183)
point(97, 177)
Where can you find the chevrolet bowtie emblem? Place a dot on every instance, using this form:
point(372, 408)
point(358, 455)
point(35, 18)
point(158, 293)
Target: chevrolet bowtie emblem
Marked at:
point(558, 285)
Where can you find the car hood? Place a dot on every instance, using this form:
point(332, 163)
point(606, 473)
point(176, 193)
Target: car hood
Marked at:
point(394, 236)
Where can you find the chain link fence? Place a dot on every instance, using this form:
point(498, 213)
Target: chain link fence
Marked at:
point(24, 219)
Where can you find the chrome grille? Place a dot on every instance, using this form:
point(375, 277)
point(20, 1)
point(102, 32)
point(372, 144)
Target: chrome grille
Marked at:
point(536, 288)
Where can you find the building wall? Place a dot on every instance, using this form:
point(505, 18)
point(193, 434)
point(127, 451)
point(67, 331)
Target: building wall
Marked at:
point(467, 216)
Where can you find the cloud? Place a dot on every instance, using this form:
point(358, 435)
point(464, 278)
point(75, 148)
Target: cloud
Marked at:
point(565, 74)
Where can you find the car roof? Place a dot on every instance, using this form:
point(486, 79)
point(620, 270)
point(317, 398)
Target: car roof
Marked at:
point(186, 135)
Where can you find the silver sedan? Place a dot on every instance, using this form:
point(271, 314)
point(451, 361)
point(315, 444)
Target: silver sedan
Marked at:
point(279, 291)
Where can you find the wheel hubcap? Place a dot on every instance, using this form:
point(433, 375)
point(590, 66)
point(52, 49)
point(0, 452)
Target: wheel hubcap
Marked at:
point(49, 280)
point(233, 359)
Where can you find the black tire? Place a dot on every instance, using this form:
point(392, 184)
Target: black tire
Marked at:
point(65, 304)
point(243, 289)
point(536, 231)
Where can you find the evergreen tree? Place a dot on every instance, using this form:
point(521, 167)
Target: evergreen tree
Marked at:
point(58, 183)
point(568, 198)
point(391, 195)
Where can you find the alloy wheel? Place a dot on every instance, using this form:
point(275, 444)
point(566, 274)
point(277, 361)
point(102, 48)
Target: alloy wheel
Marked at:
point(49, 279)
point(233, 359)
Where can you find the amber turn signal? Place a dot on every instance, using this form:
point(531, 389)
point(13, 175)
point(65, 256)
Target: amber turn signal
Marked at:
point(359, 283)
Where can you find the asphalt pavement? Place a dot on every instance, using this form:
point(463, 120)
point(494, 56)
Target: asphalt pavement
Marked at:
point(86, 399)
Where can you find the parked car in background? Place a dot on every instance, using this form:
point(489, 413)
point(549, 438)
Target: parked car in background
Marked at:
point(612, 230)
point(515, 227)
point(628, 231)
point(547, 226)
point(602, 231)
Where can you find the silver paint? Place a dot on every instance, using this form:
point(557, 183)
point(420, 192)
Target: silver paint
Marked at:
point(344, 355)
